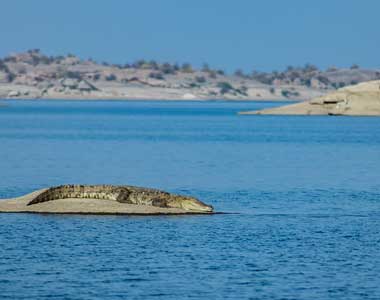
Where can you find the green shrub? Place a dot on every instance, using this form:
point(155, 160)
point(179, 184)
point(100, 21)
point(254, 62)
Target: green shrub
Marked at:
point(239, 73)
point(225, 87)
point(332, 69)
point(111, 77)
point(153, 65)
point(310, 68)
point(200, 79)
point(156, 75)
point(205, 68)
point(307, 82)
point(323, 79)
point(212, 74)
point(242, 90)
point(72, 75)
point(187, 68)
point(176, 67)
point(167, 68)
point(3, 66)
point(194, 85)
point(10, 76)
point(354, 67)
point(288, 94)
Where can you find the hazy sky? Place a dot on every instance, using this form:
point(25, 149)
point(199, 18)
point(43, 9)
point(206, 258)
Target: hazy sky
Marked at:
point(228, 34)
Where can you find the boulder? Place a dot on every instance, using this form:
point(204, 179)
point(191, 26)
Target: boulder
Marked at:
point(14, 94)
point(69, 83)
point(3, 77)
point(85, 86)
point(189, 96)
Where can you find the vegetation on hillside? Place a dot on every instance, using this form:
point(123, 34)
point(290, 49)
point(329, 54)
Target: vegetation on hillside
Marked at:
point(33, 67)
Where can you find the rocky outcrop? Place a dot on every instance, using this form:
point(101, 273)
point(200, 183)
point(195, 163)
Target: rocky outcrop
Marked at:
point(13, 94)
point(3, 77)
point(85, 86)
point(69, 83)
point(104, 199)
point(358, 100)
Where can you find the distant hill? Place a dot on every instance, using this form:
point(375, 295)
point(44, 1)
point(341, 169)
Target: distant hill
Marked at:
point(35, 75)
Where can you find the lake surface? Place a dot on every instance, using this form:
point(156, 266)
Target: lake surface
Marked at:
point(305, 190)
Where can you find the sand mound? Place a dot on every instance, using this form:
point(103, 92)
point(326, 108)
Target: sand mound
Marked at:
point(86, 206)
point(358, 100)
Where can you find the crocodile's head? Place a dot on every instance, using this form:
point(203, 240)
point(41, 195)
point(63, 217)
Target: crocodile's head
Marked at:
point(188, 203)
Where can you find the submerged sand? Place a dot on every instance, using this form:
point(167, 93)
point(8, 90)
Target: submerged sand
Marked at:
point(84, 206)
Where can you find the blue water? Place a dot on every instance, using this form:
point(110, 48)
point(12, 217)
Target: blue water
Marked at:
point(305, 190)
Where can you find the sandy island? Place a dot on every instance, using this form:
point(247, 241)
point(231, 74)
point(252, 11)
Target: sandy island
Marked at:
point(87, 206)
point(357, 100)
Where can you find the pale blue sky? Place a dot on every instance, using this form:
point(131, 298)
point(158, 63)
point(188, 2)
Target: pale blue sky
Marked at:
point(228, 34)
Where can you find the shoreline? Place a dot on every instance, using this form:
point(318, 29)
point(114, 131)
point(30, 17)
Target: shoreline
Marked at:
point(116, 213)
point(130, 99)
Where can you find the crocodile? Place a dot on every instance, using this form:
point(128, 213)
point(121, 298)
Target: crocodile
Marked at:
point(122, 194)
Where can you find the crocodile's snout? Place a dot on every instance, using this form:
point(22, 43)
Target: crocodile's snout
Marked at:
point(191, 204)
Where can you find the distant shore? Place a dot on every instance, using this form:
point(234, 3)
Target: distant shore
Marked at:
point(3, 101)
point(33, 75)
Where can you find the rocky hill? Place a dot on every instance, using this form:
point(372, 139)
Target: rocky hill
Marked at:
point(33, 75)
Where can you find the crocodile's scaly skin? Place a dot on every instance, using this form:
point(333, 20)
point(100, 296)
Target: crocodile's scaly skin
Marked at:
point(122, 194)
